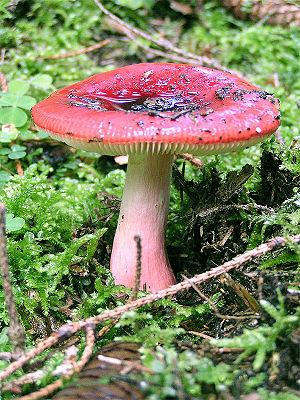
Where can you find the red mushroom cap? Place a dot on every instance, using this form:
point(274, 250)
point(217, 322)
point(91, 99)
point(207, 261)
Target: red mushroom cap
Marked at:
point(159, 107)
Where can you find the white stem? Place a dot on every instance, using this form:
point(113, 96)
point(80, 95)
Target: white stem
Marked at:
point(144, 212)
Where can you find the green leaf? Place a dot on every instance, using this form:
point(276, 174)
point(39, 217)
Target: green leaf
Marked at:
point(26, 102)
point(42, 81)
point(4, 177)
point(259, 358)
point(7, 134)
point(18, 87)
point(11, 99)
point(13, 115)
point(270, 309)
point(16, 155)
point(8, 99)
point(14, 223)
point(135, 4)
point(17, 147)
point(42, 134)
point(93, 243)
point(4, 152)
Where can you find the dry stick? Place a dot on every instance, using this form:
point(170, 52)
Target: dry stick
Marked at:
point(124, 363)
point(73, 327)
point(217, 312)
point(86, 354)
point(6, 355)
point(193, 160)
point(16, 331)
point(200, 334)
point(3, 81)
point(78, 52)
point(227, 236)
point(135, 289)
point(242, 292)
point(19, 167)
point(138, 268)
point(213, 210)
point(166, 44)
point(163, 54)
point(2, 56)
point(15, 386)
point(103, 331)
point(6, 169)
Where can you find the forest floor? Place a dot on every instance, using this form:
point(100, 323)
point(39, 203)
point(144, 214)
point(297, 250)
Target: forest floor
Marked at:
point(233, 335)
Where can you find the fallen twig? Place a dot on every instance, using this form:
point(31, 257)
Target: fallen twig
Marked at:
point(193, 160)
point(215, 308)
point(16, 331)
point(220, 209)
point(6, 169)
point(78, 52)
point(77, 366)
point(138, 269)
point(128, 365)
point(3, 81)
point(19, 167)
point(15, 386)
point(186, 56)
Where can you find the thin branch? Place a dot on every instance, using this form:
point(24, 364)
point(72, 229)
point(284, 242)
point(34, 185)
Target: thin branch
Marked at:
point(200, 334)
point(227, 236)
point(8, 356)
point(2, 56)
point(215, 308)
point(242, 292)
point(15, 386)
point(16, 331)
point(220, 209)
point(163, 43)
point(86, 354)
point(78, 52)
point(73, 327)
point(170, 56)
point(6, 169)
point(129, 365)
point(193, 160)
point(138, 269)
point(3, 81)
point(19, 167)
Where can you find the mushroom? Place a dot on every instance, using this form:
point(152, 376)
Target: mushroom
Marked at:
point(151, 111)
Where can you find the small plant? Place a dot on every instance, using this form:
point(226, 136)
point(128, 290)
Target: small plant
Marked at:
point(15, 101)
point(14, 223)
point(179, 375)
point(263, 339)
point(15, 105)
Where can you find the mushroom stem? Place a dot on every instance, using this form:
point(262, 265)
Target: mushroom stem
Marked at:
point(144, 212)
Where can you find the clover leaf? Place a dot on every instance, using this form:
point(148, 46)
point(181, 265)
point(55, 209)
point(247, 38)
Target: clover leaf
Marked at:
point(14, 223)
